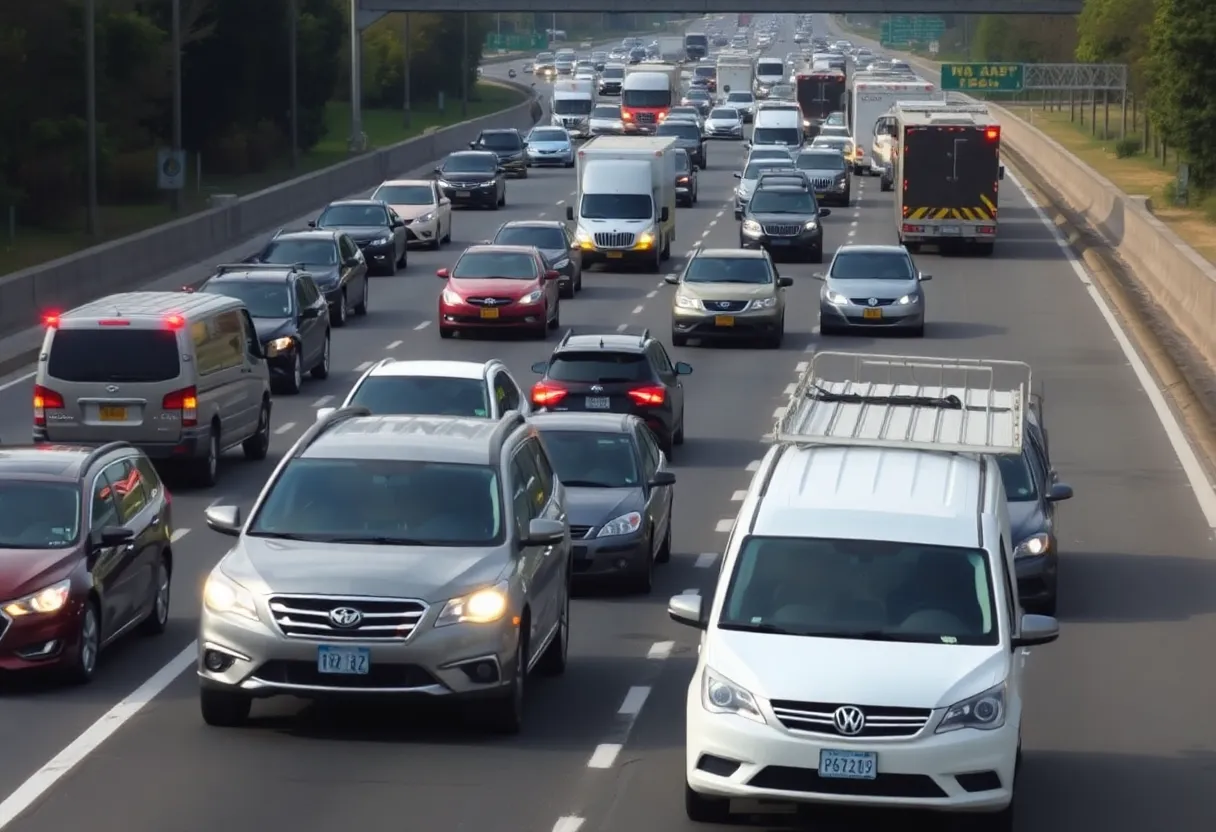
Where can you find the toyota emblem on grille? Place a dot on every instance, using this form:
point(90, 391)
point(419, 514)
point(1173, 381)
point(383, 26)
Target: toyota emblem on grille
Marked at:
point(849, 720)
point(111, 388)
point(597, 388)
point(873, 301)
point(345, 617)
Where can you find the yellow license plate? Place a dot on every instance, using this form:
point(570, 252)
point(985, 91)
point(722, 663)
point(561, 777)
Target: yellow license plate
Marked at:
point(871, 314)
point(724, 320)
point(489, 314)
point(113, 414)
point(615, 255)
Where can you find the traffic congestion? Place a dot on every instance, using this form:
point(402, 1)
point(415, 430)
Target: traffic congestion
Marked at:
point(706, 454)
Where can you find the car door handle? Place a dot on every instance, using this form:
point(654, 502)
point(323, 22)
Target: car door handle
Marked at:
point(130, 547)
point(155, 521)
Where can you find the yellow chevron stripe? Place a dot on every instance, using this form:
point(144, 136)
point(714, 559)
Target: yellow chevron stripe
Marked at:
point(988, 204)
point(917, 213)
point(967, 215)
point(943, 214)
point(981, 214)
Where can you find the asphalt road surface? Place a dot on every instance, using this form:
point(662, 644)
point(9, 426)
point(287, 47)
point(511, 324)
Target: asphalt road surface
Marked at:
point(1119, 730)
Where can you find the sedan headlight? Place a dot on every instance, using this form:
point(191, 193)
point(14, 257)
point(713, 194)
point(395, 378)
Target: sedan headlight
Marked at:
point(425, 217)
point(685, 302)
point(485, 606)
point(279, 346)
point(752, 228)
point(908, 300)
point(836, 299)
point(984, 711)
point(625, 524)
point(225, 596)
point(1033, 546)
point(762, 303)
point(48, 600)
point(451, 297)
point(443, 183)
point(811, 225)
point(562, 264)
point(382, 241)
point(719, 695)
point(532, 297)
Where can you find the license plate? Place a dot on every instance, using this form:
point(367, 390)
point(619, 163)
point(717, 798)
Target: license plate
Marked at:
point(615, 255)
point(112, 414)
point(848, 765)
point(778, 242)
point(489, 314)
point(598, 402)
point(345, 661)
point(464, 193)
point(951, 229)
point(871, 314)
point(724, 320)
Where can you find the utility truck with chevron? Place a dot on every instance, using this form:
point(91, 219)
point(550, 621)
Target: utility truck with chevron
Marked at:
point(946, 172)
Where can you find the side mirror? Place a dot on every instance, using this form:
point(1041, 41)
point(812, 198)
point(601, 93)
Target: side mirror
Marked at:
point(312, 223)
point(664, 214)
point(437, 171)
point(819, 276)
point(662, 478)
point(1000, 172)
point(310, 312)
point(737, 175)
point(472, 145)
point(223, 519)
point(726, 88)
point(683, 368)
point(785, 282)
point(398, 224)
point(552, 275)
point(543, 532)
point(500, 170)
point(673, 279)
point(923, 277)
point(1036, 630)
point(686, 610)
point(113, 536)
point(570, 213)
point(1059, 492)
point(540, 367)
point(825, 212)
point(443, 274)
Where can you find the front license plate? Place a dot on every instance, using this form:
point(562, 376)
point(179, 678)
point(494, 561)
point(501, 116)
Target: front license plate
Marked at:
point(724, 320)
point(345, 661)
point(489, 314)
point(871, 314)
point(848, 765)
point(598, 402)
point(951, 229)
point(112, 414)
point(778, 242)
point(464, 193)
point(615, 255)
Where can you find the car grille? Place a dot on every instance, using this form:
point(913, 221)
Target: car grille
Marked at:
point(307, 616)
point(821, 184)
point(490, 301)
point(379, 675)
point(725, 305)
point(866, 301)
point(614, 239)
point(819, 718)
point(807, 780)
point(780, 230)
point(579, 532)
point(644, 118)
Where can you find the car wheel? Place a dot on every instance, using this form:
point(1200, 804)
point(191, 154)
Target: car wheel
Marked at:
point(919, 332)
point(321, 370)
point(361, 306)
point(207, 469)
point(773, 342)
point(553, 662)
point(436, 243)
point(404, 259)
point(158, 617)
point(83, 664)
point(567, 291)
point(296, 380)
point(664, 553)
point(446, 332)
point(578, 281)
point(257, 446)
point(702, 809)
point(641, 582)
point(679, 340)
point(557, 316)
point(339, 316)
point(224, 709)
point(505, 715)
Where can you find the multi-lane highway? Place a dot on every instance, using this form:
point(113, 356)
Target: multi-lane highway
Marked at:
point(1119, 731)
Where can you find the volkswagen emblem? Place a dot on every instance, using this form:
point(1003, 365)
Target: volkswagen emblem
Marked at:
point(849, 719)
point(347, 617)
point(597, 388)
point(873, 301)
point(111, 388)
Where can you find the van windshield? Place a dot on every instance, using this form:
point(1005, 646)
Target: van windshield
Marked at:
point(617, 207)
point(788, 136)
point(114, 354)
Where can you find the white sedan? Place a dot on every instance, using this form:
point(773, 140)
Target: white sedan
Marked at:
point(724, 123)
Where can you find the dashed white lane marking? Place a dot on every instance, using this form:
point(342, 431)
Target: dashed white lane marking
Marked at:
point(324, 400)
point(706, 560)
point(852, 232)
point(178, 534)
point(857, 213)
point(705, 233)
point(720, 213)
point(622, 327)
point(634, 700)
point(541, 214)
point(394, 345)
point(801, 367)
point(754, 465)
point(284, 428)
point(738, 496)
point(789, 388)
point(604, 755)
point(725, 525)
point(779, 413)
point(422, 325)
point(652, 293)
point(811, 347)
point(561, 202)
point(638, 309)
point(660, 649)
point(363, 368)
point(569, 823)
point(853, 224)
point(712, 223)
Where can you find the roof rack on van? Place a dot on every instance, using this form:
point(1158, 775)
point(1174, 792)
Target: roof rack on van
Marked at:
point(224, 268)
point(950, 405)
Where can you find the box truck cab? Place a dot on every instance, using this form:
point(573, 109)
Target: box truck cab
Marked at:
point(647, 96)
point(769, 73)
point(625, 209)
point(573, 100)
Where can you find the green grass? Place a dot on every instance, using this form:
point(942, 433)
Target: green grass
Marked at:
point(32, 246)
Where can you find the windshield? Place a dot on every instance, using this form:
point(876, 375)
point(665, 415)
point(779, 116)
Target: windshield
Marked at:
point(770, 68)
point(358, 215)
point(833, 131)
point(601, 367)
point(470, 163)
point(725, 114)
point(544, 58)
point(861, 589)
point(820, 161)
point(740, 98)
point(495, 264)
point(782, 91)
point(383, 502)
point(613, 73)
point(617, 207)
point(500, 141)
point(549, 135)
point(572, 106)
point(422, 396)
point(646, 98)
point(406, 194)
point(683, 162)
point(754, 169)
point(696, 40)
point(696, 95)
point(789, 136)
point(310, 252)
point(753, 270)
point(546, 237)
point(782, 202)
point(565, 55)
point(38, 515)
point(683, 112)
point(586, 459)
point(872, 265)
point(705, 72)
point(770, 152)
point(839, 145)
point(263, 299)
point(606, 111)
point(1018, 479)
point(682, 130)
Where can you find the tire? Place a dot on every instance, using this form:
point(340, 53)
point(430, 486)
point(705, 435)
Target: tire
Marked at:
point(339, 318)
point(292, 385)
point(257, 446)
point(224, 709)
point(447, 238)
point(361, 306)
point(158, 619)
point(321, 371)
point(984, 249)
point(702, 809)
point(83, 664)
point(437, 243)
point(679, 340)
point(404, 260)
point(553, 662)
point(445, 332)
point(919, 332)
point(641, 582)
point(557, 316)
point(505, 715)
point(664, 553)
point(502, 201)
point(773, 342)
point(207, 470)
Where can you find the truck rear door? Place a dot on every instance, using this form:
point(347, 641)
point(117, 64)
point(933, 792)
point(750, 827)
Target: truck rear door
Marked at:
point(950, 172)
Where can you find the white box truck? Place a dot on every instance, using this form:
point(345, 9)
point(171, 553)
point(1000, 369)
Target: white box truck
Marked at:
point(870, 101)
point(735, 74)
point(573, 100)
point(625, 208)
point(672, 49)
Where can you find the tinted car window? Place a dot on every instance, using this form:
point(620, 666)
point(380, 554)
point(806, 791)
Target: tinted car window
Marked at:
point(356, 215)
point(606, 111)
point(599, 366)
point(470, 163)
point(683, 130)
point(422, 396)
point(539, 236)
point(549, 135)
point(38, 515)
point(872, 265)
point(501, 141)
point(592, 460)
point(725, 114)
point(487, 264)
point(1019, 484)
point(312, 252)
point(406, 194)
point(114, 354)
point(820, 161)
point(728, 270)
point(263, 300)
point(782, 202)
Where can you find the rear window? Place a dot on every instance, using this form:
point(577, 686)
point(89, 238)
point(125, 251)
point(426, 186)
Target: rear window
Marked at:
point(422, 396)
point(114, 354)
point(603, 367)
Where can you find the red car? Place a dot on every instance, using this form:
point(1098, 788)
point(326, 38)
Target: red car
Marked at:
point(499, 287)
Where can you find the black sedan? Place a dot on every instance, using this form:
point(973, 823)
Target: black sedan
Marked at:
point(509, 146)
point(618, 494)
point(375, 228)
point(473, 179)
point(332, 258)
point(688, 138)
point(556, 245)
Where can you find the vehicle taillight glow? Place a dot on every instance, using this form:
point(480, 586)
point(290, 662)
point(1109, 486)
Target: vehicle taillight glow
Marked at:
point(547, 395)
point(51, 321)
point(992, 134)
point(648, 396)
point(185, 400)
point(114, 322)
point(175, 322)
point(45, 399)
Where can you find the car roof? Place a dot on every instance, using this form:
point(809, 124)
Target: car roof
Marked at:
point(499, 130)
point(307, 234)
point(474, 370)
point(43, 461)
point(263, 275)
point(872, 249)
point(452, 439)
point(603, 422)
point(406, 182)
point(614, 341)
point(731, 253)
point(360, 202)
point(533, 224)
point(498, 248)
point(472, 153)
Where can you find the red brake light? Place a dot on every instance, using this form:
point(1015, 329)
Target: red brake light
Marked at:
point(175, 322)
point(547, 395)
point(992, 134)
point(45, 399)
point(51, 321)
point(185, 400)
point(114, 322)
point(648, 396)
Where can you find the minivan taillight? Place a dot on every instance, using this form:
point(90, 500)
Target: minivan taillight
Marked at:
point(45, 399)
point(185, 400)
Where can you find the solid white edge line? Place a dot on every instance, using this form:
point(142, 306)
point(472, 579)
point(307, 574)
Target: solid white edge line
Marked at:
point(178, 534)
point(1187, 458)
point(569, 823)
point(660, 649)
point(634, 700)
point(738, 496)
point(705, 560)
point(18, 380)
point(284, 428)
point(754, 465)
point(604, 755)
point(29, 792)
point(638, 309)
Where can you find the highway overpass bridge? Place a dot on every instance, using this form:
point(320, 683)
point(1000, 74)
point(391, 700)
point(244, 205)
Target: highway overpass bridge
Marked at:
point(1068, 7)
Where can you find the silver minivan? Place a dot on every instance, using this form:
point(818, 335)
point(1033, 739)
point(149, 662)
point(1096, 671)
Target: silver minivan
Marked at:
point(181, 376)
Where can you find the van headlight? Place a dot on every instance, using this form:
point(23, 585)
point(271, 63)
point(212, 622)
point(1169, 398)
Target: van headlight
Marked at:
point(583, 236)
point(485, 606)
point(645, 240)
point(225, 596)
point(719, 695)
point(984, 711)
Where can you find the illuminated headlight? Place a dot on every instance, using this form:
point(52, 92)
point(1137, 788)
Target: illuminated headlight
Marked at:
point(583, 236)
point(764, 90)
point(451, 297)
point(908, 300)
point(837, 299)
point(752, 228)
point(489, 184)
point(225, 596)
point(842, 184)
point(625, 524)
point(279, 346)
point(443, 183)
point(485, 606)
point(719, 695)
point(811, 225)
point(425, 217)
point(806, 122)
point(1033, 546)
point(382, 241)
point(762, 303)
point(685, 302)
point(645, 240)
point(48, 600)
point(531, 298)
point(984, 711)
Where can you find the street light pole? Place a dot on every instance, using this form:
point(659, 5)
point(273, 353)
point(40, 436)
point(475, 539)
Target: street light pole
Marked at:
point(293, 82)
point(355, 145)
point(90, 86)
point(178, 193)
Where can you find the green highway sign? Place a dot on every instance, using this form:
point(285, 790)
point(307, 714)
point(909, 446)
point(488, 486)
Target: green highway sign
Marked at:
point(990, 77)
point(519, 42)
point(901, 30)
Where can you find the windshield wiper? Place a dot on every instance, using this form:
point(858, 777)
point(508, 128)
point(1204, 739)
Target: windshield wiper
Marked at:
point(772, 629)
point(382, 540)
point(588, 484)
point(287, 536)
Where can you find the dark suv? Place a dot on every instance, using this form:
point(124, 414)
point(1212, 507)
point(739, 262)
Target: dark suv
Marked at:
point(617, 373)
point(784, 218)
point(87, 535)
point(688, 138)
point(509, 146)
